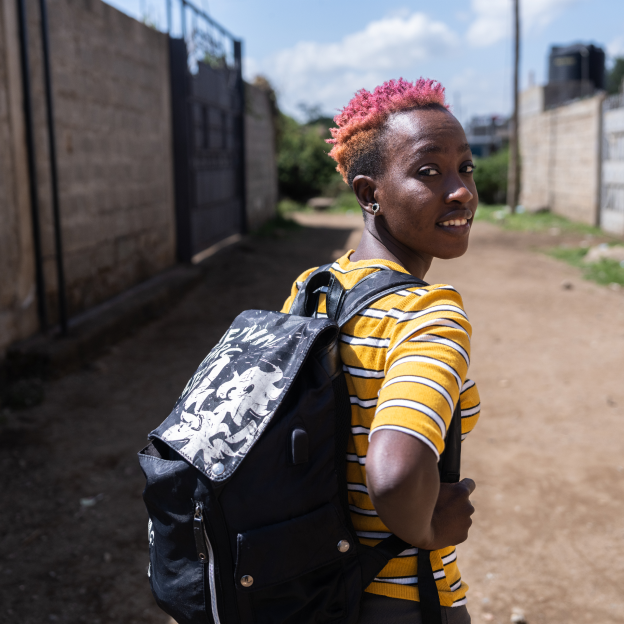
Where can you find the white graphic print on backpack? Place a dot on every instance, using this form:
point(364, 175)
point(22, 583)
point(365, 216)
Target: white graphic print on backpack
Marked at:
point(242, 399)
point(227, 401)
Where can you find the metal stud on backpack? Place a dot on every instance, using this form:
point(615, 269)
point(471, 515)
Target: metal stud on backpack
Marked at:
point(246, 478)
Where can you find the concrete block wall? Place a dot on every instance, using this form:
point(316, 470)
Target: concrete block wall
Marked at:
point(612, 189)
point(560, 155)
point(112, 113)
point(111, 93)
point(18, 315)
point(113, 123)
point(260, 157)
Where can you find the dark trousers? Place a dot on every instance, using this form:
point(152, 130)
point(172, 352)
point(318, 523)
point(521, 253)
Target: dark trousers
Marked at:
point(383, 610)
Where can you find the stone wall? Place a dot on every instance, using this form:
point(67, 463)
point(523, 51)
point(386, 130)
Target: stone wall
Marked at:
point(560, 155)
point(260, 157)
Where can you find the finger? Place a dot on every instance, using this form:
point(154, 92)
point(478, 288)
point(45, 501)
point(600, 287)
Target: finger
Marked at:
point(470, 484)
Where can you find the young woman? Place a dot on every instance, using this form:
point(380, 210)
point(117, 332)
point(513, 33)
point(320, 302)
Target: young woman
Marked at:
point(406, 358)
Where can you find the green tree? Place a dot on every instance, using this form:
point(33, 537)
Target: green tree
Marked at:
point(615, 76)
point(304, 169)
point(490, 176)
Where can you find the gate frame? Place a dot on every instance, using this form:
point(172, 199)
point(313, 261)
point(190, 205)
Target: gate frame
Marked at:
point(180, 77)
point(609, 103)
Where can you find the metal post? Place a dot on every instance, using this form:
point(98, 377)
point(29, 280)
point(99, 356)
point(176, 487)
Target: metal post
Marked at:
point(513, 179)
point(32, 167)
point(56, 212)
point(585, 71)
point(240, 85)
point(169, 17)
point(183, 16)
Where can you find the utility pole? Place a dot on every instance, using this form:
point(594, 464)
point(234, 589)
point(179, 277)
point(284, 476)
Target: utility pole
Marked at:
point(513, 176)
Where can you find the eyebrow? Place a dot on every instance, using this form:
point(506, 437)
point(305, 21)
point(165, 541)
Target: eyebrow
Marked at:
point(436, 149)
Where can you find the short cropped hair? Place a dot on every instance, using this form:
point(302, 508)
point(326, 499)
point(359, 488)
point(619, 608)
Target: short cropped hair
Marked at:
point(357, 141)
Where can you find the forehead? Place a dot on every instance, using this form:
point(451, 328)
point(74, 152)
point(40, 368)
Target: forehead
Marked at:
point(425, 131)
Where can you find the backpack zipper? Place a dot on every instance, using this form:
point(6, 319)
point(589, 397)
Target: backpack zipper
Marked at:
point(205, 554)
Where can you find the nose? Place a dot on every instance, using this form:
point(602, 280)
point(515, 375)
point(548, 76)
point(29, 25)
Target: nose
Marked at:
point(460, 193)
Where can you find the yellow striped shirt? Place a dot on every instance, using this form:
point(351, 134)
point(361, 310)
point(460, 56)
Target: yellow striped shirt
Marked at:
point(405, 360)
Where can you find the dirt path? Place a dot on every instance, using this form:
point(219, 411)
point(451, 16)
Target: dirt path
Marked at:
point(548, 535)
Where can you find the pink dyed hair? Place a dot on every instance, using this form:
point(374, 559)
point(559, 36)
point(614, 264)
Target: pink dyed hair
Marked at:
point(361, 120)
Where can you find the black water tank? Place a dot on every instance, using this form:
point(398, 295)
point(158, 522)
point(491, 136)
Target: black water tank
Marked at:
point(577, 62)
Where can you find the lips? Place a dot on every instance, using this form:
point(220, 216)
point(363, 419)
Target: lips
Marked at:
point(456, 219)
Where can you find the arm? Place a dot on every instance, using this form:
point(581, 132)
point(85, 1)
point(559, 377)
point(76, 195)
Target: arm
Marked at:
point(425, 369)
point(403, 483)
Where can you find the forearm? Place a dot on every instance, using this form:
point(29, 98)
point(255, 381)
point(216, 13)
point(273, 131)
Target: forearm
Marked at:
point(404, 485)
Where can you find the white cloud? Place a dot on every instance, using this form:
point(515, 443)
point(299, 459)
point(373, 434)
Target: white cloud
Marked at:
point(331, 72)
point(493, 20)
point(482, 91)
point(616, 47)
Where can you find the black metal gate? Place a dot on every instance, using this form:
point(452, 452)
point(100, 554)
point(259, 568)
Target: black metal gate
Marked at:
point(208, 135)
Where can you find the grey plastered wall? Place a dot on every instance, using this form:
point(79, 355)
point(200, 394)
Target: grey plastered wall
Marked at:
point(560, 153)
point(260, 157)
point(18, 317)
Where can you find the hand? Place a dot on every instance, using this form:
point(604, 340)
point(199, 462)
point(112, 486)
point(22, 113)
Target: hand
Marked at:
point(451, 517)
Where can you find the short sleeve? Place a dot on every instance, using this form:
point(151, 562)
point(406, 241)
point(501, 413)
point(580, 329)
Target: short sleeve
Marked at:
point(426, 367)
point(470, 407)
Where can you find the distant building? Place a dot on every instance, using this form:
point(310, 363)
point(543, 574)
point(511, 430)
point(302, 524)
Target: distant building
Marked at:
point(487, 134)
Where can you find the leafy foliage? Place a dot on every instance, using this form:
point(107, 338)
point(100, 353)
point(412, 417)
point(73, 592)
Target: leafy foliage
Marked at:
point(490, 176)
point(303, 167)
point(615, 76)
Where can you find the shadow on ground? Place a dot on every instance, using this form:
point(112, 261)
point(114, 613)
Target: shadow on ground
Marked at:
point(73, 538)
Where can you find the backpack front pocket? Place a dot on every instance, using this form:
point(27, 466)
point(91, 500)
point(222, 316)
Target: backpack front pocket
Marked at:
point(176, 574)
point(293, 571)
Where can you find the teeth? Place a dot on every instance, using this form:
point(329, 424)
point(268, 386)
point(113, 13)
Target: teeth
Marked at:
point(455, 222)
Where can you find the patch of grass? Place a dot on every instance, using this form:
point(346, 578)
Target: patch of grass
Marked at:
point(533, 221)
point(277, 227)
point(287, 206)
point(345, 203)
point(605, 271)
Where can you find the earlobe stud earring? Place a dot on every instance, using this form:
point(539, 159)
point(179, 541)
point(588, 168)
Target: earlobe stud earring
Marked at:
point(375, 208)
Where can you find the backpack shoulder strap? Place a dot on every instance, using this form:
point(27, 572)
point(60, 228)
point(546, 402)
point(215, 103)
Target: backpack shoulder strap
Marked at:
point(306, 300)
point(343, 305)
point(367, 291)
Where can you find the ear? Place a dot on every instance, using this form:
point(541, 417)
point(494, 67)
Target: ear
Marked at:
point(365, 190)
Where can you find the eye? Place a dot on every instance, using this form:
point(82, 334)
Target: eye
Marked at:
point(469, 168)
point(428, 171)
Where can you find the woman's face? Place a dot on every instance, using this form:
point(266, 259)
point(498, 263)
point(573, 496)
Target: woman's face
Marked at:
point(427, 193)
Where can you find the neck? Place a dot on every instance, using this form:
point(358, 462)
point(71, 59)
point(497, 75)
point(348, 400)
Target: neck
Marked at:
point(378, 244)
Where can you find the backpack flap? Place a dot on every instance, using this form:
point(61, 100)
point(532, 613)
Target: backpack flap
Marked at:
point(235, 392)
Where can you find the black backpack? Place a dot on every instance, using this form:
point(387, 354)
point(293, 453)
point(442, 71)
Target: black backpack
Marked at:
point(246, 479)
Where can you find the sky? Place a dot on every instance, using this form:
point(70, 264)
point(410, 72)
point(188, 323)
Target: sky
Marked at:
point(319, 52)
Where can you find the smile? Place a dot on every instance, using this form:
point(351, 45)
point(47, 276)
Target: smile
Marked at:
point(454, 222)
